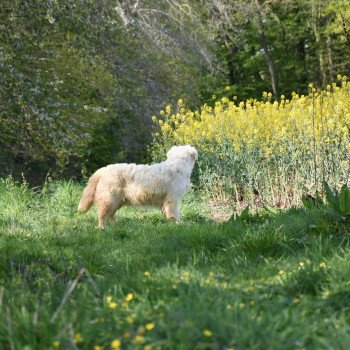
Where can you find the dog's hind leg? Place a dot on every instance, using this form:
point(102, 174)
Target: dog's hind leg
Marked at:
point(115, 206)
point(103, 213)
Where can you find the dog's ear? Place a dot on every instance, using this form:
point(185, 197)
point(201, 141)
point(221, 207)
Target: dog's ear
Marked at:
point(193, 154)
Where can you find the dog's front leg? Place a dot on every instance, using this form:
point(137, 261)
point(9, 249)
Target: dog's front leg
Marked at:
point(171, 211)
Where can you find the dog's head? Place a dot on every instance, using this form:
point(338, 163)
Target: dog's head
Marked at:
point(178, 152)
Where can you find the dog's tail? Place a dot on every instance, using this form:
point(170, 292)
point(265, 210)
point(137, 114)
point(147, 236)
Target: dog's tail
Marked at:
point(87, 199)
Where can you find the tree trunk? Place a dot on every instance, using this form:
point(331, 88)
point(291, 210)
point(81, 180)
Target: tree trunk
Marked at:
point(268, 58)
point(318, 41)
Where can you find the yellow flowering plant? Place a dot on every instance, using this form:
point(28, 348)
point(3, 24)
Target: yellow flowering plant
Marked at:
point(276, 149)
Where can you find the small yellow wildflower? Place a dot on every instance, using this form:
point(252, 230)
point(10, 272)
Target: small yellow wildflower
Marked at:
point(228, 306)
point(185, 274)
point(180, 102)
point(129, 297)
point(147, 347)
point(296, 301)
point(127, 335)
point(301, 264)
point(78, 338)
point(109, 298)
point(207, 333)
point(323, 265)
point(98, 347)
point(146, 273)
point(241, 305)
point(150, 326)
point(281, 272)
point(116, 344)
point(130, 319)
point(139, 338)
point(56, 344)
point(269, 94)
point(112, 305)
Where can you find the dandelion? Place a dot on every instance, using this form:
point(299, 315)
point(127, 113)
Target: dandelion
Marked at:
point(78, 338)
point(127, 335)
point(139, 338)
point(180, 102)
point(129, 297)
point(98, 347)
point(116, 344)
point(301, 264)
point(112, 305)
point(150, 326)
point(56, 344)
point(109, 298)
point(323, 265)
point(207, 333)
point(146, 273)
point(130, 319)
point(281, 272)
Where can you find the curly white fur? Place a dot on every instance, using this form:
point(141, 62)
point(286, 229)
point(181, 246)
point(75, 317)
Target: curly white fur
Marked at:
point(161, 185)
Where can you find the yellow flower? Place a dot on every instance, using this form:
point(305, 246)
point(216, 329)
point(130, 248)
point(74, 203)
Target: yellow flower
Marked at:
point(109, 298)
point(323, 265)
point(129, 297)
point(301, 264)
point(150, 326)
point(127, 335)
point(139, 338)
point(78, 338)
point(241, 305)
point(112, 305)
point(56, 344)
point(180, 102)
point(185, 274)
point(281, 272)
point(146, 273)
point(207, 333)
point(116, 344)
point(147, 347)
point(130, 320)
point(98, 347)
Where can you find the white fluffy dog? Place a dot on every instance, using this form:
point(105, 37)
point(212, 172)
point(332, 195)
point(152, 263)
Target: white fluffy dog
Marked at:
point(161, 185)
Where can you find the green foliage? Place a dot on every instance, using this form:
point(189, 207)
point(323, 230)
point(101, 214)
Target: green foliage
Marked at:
point(337, 203)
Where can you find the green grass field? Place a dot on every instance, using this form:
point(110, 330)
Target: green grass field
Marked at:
point(264, 281)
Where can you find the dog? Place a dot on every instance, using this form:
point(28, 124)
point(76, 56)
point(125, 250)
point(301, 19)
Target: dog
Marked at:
point(160, 185)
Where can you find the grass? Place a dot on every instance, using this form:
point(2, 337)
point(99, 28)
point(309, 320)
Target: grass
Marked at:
point(263, 281)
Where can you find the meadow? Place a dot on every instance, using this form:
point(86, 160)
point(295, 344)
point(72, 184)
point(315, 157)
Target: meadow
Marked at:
point(265, 280)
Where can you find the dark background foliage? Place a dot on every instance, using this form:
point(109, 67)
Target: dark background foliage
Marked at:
point(80, 80)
